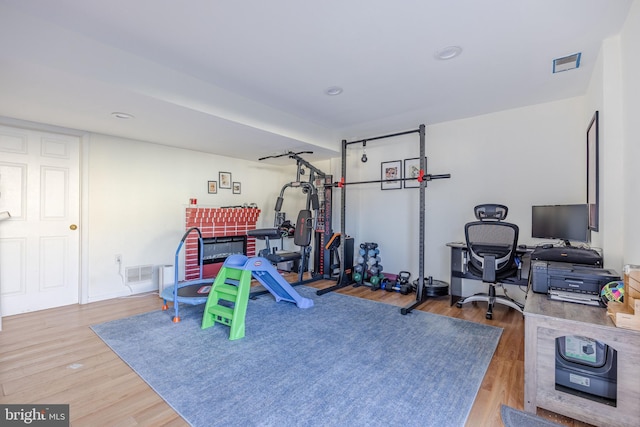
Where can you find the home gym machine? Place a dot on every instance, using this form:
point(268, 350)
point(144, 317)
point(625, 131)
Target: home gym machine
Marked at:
point(318, 189)
point(424, 287)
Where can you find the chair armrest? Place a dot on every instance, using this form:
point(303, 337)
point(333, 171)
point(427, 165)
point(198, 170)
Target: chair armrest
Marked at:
point(489, 269)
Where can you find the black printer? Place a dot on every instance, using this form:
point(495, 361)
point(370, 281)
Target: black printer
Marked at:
point(570, 282)
point(570, 254)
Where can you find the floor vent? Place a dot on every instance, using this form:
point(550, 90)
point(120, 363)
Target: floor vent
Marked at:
point(139, 275)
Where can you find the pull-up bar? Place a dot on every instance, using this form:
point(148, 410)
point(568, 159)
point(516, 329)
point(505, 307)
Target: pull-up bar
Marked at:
point(288, 154)
point(299, 160)
point(362, 141)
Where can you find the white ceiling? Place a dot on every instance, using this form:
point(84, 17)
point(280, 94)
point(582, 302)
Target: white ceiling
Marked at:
point(247, 78)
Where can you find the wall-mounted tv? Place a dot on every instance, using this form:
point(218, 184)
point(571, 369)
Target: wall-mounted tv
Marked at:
point(565, 222)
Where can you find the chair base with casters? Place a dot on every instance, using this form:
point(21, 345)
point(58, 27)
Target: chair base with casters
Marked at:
point(491, 299)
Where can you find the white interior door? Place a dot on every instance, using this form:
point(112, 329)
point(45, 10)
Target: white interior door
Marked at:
point(40, 243)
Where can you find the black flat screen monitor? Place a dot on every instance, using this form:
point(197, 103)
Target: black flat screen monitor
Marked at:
point(565, 222)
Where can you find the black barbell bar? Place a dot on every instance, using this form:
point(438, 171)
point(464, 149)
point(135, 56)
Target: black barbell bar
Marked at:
point(420, 178)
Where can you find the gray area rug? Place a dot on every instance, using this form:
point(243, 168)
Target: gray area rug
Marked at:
point(514, 418)
point(344, 362)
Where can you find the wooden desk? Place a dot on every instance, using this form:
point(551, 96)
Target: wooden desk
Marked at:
point(545, 320)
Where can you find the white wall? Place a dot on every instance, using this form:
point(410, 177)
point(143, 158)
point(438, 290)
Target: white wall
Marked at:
point(519, 158)
point(613, 91)
point(137, 195)
point(605, 96)
point(629, 209)
point(136, 191)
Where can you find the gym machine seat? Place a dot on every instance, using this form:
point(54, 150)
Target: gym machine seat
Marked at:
point(272, 255)
point(301, 237)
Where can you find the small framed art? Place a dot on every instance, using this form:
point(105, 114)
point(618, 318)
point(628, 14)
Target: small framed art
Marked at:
point(411, 172)
point(224, 179)
point(236, 188)
point(391, 175)
point(212, 187)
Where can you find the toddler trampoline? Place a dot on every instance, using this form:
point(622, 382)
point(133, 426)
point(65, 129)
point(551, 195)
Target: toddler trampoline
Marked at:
point(192, 292)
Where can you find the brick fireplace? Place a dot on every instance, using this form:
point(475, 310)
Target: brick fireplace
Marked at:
point(216, 222)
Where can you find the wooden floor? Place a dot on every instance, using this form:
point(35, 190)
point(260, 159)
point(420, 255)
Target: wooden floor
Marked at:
point(52, 356)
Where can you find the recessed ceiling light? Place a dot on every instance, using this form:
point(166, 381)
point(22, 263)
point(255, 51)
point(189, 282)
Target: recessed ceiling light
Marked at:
point(448, 52)
point(124, 116)
point(333, 91)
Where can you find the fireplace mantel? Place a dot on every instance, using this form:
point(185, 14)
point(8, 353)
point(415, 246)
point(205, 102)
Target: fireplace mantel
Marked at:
point(216, 222)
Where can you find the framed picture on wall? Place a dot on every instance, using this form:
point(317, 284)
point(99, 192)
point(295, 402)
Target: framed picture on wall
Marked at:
point(212, 187)
point(412, 170)
point(391, 175)
point(224, 179)
point(593, 172)
point(236, 188)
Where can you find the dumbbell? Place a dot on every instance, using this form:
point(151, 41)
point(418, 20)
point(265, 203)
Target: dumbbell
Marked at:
point(406, 289)
point(377, 269)
point(375, 280)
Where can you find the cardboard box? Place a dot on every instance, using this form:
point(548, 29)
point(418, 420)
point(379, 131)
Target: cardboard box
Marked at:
point(634, 289)
point(627, 314)
point(632, 282)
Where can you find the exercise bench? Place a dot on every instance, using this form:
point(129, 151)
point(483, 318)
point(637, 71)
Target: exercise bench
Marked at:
point(301, 237)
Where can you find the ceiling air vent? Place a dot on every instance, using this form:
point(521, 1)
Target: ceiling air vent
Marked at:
point(566, 63)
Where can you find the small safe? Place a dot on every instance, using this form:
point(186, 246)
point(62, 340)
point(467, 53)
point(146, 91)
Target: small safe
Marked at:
point(586, 368)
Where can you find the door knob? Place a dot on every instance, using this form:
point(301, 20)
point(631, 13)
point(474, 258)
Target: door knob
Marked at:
point(73, 227)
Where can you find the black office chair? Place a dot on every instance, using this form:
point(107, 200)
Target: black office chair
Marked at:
point(491, 248)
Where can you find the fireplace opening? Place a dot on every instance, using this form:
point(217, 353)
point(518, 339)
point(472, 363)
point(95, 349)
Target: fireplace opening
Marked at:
point(217, 249)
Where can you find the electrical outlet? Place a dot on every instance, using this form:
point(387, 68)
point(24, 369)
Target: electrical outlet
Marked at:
point(118, 259)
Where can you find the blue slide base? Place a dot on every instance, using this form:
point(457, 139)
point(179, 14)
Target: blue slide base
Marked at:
point(270, 278)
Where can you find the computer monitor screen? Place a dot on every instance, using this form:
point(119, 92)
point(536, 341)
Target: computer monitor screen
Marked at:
point(565, 222)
